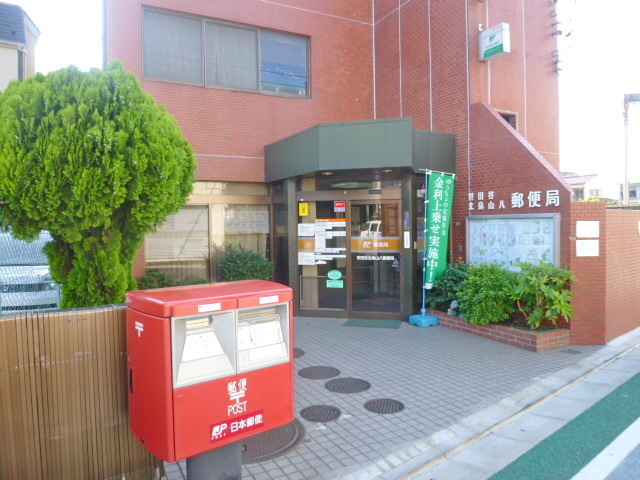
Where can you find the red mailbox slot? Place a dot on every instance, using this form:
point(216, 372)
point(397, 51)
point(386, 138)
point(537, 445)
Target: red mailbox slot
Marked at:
point(209, 365)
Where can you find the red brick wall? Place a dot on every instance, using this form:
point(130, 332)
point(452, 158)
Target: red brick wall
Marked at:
point(387, 65)
point(606, 296)
point(228, 130)
point(421, 69)
point(523, 81)
point(420, 63)
point(415, 54)
point(590, 289)
point(622, 237)
point(449, 68)
point(427, 67)
point(504, 163)
point(535, 341)
point(139, 267)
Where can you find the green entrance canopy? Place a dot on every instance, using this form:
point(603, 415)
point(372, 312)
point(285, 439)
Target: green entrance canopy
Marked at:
point(386, 143)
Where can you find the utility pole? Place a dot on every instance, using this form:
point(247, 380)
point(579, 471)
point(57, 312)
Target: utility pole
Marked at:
point(629, 98)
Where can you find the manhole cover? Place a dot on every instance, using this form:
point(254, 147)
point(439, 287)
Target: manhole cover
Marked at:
point(297, 352)
point(384, 405)
point(319, 373)
point(320, 413)
point(273, 443)
point(347, 385)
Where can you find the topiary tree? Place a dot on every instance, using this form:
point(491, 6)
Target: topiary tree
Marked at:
point(90, 157)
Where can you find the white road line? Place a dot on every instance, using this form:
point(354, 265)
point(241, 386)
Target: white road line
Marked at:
point(610, 457)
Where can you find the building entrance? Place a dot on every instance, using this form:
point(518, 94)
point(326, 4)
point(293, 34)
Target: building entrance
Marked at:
point(349, 256)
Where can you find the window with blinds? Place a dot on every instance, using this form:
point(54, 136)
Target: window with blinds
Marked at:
point(194, 50)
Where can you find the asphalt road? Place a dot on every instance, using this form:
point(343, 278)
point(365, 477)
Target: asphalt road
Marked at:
point(629, 468)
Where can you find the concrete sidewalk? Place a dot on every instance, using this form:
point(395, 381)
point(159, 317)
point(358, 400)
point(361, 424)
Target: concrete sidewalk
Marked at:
point(456, 388)
point(481, 459)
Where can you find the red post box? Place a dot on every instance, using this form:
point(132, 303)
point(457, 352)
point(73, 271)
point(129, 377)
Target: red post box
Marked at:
point(209, 365)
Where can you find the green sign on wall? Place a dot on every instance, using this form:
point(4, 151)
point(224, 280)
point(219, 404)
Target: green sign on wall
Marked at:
point(494, 42)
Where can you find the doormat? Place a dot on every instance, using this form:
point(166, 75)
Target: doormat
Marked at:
point(372, 323)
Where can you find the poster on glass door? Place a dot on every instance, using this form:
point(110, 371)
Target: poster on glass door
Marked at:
point(315, 241)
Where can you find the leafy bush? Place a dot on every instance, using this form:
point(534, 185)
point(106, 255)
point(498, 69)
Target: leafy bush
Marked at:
point(489, 293)
point(485, 294)
point(542, 293)
point(445, 288)
point(242, 264)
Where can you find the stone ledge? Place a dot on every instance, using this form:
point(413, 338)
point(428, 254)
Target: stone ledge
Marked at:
point(534, 341)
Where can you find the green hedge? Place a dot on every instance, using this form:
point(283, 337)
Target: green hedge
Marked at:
point(158, 279)
point(242, 264)
point(487, 293)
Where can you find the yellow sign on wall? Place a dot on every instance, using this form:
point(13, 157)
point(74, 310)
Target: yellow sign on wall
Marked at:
point(303, 209)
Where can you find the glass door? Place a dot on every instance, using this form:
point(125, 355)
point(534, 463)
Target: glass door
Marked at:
point(375, 247)
point(349, 258)
point(322, 257)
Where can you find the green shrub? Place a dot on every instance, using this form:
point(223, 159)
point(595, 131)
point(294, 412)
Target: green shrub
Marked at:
point(446, 287)
point(242, 264)
point(158, 279)
point(542, 293)
point(485, 294)
point(155, 279)
point(192, 281)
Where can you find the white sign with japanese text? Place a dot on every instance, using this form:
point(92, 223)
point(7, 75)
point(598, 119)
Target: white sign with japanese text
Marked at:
point(587, 229)
point(587, 248)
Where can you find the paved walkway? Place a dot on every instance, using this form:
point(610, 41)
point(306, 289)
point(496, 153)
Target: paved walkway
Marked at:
point(456, 388)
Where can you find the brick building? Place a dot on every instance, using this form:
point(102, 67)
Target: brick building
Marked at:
point(313, 121)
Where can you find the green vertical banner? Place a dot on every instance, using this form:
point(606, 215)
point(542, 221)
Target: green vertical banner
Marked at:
point(440, 188)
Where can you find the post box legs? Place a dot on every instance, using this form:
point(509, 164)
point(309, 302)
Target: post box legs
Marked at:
point(224, 463)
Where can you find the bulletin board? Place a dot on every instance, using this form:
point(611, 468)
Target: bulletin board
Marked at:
point(509, 239)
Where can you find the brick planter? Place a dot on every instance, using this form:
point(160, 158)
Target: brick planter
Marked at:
point(535, 341)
